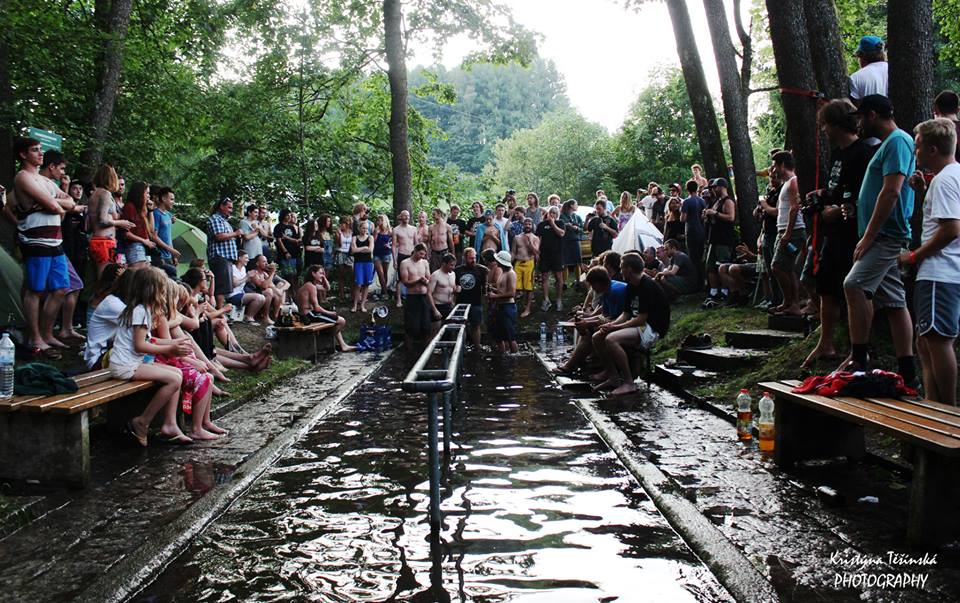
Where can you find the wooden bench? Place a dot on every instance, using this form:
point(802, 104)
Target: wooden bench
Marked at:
point(46, 438)
point(305, 341)
point(809, 426)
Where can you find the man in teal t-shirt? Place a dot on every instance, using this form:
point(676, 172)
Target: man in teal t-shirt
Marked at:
point(884, 208)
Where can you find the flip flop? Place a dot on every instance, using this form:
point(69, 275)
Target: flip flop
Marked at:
point(141, 439)
point(177, 440)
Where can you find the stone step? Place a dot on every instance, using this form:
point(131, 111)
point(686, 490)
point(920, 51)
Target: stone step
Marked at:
point(721, 358)
point(761, 339)
point(796, 324)
point(671, 375)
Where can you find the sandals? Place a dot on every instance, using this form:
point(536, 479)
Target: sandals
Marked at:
point(141, 439)
point(48, 353)
point(700, 341)
point(177, 440)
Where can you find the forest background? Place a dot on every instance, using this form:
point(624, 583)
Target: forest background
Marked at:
point(289, 103)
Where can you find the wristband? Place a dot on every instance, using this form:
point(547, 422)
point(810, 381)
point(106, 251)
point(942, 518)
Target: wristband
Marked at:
point(153, 340)
point(913, 257)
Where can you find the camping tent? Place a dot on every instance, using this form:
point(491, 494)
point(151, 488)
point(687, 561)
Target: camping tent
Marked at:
point(11, 281)
point(639, 233)
point(190, 241)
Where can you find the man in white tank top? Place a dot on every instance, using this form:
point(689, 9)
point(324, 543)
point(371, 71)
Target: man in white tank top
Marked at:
point(791, 235)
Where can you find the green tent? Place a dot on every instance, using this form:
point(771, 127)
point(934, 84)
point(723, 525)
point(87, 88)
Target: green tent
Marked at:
point(11, 281)
point(190, 241)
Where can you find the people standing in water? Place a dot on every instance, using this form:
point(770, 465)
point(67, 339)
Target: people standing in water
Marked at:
point(525, 249)
point(504, 296)
point(415, 275)
point(471, 289)
point(440, 291)
point(404, 238)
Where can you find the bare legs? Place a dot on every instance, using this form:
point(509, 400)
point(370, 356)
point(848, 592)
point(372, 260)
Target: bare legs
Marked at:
point(829, 317)
point(939, 362)
point(66, 316)
point(40, 320)
point(166, 398)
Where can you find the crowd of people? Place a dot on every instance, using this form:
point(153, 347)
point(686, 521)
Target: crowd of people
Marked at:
point(845, 245)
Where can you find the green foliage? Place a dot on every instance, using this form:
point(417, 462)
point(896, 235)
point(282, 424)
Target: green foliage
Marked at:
point(564, 154)
point(486, 102)
point(658, 139)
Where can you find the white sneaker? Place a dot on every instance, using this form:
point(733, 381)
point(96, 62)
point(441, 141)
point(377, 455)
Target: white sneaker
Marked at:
point(559, 306)
point(545, 305)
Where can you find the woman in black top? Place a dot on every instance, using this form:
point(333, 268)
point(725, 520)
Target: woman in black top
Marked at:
point(313, 250)
point(361, 248)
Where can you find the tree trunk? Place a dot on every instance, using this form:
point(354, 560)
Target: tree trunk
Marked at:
point(109, 68)
point(826, 48)
point(7, 131)
point(910, 45)
point(734, 94)
point(397, 74)
point(791, 53)
point(701, 103)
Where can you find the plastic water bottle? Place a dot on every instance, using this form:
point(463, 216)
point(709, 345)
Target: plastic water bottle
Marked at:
point(765, 424)
point(558, 334)
point(543, 332)
point(744, 417)
point(7, 353)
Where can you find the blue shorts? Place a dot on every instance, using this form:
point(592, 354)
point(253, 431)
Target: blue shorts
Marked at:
point(135, 253)
point(937, 305)
point(363, 273)
point(236, 300)
point(47, 273)
point(506, 322)
point(383, 259)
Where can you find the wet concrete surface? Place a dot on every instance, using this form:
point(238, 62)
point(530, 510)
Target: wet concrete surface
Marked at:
point(536, 508)
point(802, 543)
point(136, 492)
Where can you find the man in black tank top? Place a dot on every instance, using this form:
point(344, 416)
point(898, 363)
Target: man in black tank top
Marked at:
point(719, 217)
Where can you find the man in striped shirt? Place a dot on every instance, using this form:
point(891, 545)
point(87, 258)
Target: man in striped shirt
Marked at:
point(40, 207)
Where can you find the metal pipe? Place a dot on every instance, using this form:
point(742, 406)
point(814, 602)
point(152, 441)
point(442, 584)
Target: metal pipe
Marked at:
point(450, 341)
point(433, 460)
point(447, 424)
point(459, 314)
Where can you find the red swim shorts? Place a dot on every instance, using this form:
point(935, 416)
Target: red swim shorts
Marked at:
point(103, 250)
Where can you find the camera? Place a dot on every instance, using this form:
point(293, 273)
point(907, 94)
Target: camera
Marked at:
point(813, 204)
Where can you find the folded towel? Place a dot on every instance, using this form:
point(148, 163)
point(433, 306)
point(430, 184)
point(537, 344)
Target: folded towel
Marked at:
point(38, 379)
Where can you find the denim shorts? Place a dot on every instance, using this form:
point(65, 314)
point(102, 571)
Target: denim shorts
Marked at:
point(135, 252)
point(937, 305)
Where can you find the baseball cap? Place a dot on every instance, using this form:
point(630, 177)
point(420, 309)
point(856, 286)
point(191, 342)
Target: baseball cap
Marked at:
point(503, 258)
point(719, 182)
point(488, 213)
point(877, 103)
point(869, 44)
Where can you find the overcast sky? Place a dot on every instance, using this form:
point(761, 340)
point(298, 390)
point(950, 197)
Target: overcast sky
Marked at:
point(603, 50)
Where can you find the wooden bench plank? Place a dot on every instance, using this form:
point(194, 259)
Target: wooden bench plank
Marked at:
point(84, 380)
point(42, 404)
point(316, 326)
point(864, 414)
point(125, 388)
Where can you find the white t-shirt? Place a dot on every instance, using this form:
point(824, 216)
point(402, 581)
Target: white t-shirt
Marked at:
point(871, 79)
point(124, 353)
point(647, 204)
point(101, 328)
point(253, 247)
point(502, 222)
point(942, 203)
point(237, 273)
point(783, 208)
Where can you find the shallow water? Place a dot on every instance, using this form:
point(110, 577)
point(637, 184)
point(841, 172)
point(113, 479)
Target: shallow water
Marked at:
point(536, 509)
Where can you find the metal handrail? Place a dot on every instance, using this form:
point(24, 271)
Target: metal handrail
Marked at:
point(436, 382)
point(450, 341)
point(459, 314)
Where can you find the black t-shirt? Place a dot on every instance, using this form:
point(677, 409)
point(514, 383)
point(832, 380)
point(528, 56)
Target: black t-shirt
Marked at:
point(648, 298)
point(847, 169)
point(549, 240)
point(458, 227)
point(313, 257)
point(472, 282)
point(287, 230)
point(770, 221)
point(600, 239)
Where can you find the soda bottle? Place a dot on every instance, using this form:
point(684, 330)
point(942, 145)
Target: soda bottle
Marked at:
point(7, 353)
point(543, 332)
point(744, 417)
point(765, 423)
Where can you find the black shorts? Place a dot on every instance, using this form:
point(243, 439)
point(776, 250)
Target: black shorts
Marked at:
point(220, 267)
point(833, 265)
point(550, 263)
point(416, 316)
point(444, 310)
point(475, 316)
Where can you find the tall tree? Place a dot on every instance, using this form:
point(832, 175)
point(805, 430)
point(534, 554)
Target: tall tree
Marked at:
point(795, 73)
point(112, 18)
point(397, 74)
point(704, 116)
point(826, 48)
point(7, 131)
point(734, 88)
point(910, 44)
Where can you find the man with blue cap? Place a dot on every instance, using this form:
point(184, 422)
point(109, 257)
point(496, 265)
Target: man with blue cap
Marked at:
point(871, 78)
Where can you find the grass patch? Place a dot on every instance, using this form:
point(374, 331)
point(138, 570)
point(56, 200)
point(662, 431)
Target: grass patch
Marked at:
point(243, 383)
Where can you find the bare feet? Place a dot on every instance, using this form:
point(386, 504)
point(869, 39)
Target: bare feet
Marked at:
point(625, 389)
point(601, 376)
point(203, 434)
point(609, 384)
point(818, 353)
point(71, 334)
point(214, 428)
point(349, 348)
point(525, 313)
point(173, 436)
point(55, 343)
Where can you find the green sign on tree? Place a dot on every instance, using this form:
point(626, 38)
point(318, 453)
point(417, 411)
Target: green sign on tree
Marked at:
point(48, 140)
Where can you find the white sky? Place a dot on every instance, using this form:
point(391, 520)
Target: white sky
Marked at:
point(603, 50)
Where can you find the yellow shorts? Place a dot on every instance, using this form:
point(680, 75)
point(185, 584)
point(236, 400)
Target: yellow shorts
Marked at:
point(524, 270)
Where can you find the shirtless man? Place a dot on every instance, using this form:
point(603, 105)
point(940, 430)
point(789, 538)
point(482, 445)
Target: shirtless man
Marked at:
point(440, 291)
point(423, 229)
point(261, 276)
point(526, 251)
point(309, 305)
point(441, 239)
point(415, 275)
point(404, 238)
point(503, 295)
point(491, 235)
point(103, 218)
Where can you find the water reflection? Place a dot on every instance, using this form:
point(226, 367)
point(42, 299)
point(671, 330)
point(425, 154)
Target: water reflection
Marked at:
point(535, 508)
